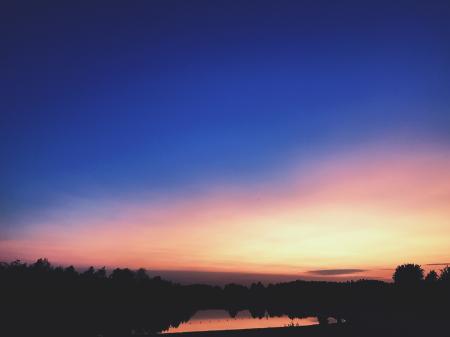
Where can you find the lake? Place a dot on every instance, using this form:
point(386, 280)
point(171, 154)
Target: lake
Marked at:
point(208, 320)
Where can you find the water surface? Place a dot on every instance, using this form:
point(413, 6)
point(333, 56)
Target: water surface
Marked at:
point(208, 320)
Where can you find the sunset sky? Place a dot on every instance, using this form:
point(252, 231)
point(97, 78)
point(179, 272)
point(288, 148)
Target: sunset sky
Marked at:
point(306, 138)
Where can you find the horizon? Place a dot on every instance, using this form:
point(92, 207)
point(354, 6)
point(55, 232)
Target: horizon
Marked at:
point(225, 140)
point(222, 278)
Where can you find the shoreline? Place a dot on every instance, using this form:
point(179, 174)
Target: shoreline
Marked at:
point(316, 330)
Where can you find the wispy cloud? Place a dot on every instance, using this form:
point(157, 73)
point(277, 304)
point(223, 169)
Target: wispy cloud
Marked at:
point(438, 264)
point(333, 272)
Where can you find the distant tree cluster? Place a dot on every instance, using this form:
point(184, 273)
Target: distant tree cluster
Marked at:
point(42, 266)
point(413, 274)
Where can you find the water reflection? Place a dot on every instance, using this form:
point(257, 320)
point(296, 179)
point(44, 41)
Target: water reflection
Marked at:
point(207, 320)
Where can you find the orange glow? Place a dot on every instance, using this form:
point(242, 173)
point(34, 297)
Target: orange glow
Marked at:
point(367, 210)
point(213, 320)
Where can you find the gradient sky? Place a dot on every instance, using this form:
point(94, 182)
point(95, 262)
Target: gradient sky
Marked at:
point(281, 137)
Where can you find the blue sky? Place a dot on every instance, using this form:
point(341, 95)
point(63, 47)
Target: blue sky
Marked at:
point(124, 98)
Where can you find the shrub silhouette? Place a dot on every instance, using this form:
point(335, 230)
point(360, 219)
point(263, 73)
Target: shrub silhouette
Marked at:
point(408, 274)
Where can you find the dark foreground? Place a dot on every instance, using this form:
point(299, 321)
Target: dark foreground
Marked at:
point(41, 300)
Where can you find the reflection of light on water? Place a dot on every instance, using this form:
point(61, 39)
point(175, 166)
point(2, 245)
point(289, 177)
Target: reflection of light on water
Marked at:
point(207, 320)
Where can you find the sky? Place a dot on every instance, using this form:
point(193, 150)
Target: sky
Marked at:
point(305, 138)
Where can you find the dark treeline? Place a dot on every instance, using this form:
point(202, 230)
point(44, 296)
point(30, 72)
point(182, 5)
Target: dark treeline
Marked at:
point(38, 299)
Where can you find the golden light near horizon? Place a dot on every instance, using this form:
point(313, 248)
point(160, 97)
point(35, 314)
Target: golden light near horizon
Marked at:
point(368, 210)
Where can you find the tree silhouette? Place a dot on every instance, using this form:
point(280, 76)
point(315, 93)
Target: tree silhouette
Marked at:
point(431, 277)
point(70, 272)
point(122, 275)
point(408, 274)
point(445, 275)
point(89, 273)
point(100, 273)
point(141, 274)
point(42, 265)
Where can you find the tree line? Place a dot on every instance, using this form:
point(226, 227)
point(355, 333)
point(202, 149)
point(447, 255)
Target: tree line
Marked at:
point(38, 299)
